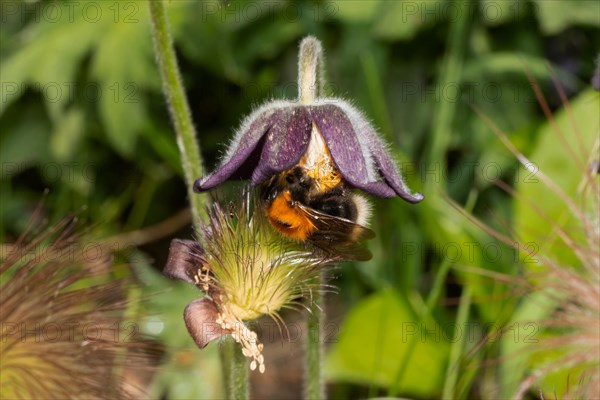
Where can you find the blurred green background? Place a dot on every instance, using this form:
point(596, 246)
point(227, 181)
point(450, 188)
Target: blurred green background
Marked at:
point(82, 114)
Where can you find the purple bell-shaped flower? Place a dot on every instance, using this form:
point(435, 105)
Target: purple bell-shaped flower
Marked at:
point(276, 136)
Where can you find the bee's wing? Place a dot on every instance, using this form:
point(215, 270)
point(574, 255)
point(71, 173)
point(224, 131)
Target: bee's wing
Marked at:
point(339, 236)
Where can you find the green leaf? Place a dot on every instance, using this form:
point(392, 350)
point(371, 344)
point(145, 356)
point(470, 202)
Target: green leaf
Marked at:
point(50, 57)
point(268, 40)
point(125, 53)
point(124, 65)
point(67, 135)
point(521, 334)
point(504, 63)
point(356, 11)
point(556, 16)
point(401, 20)
point(537, 210)
point(164, 144)
point(25, 144)
point(494, 12)
point(14, 76)
point(373, 340)
point(230, 41)
point(455, 239)
point(551, 157)
point(122, 120)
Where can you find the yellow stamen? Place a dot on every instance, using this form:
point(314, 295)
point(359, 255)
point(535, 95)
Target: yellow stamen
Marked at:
point(251, 348)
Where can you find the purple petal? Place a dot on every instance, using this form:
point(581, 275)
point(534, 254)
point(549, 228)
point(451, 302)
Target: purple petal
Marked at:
point(200, 319)
point(379, 189)
point(285, 143)
point(379, 163)
point(389, 171)
point(239, 161)
point(185, 258)
point(342, 141)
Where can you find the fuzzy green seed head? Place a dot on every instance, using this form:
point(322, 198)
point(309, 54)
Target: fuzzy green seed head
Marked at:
point(254, 270)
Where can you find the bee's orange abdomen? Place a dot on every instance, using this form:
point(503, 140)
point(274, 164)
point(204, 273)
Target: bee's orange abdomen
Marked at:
point(287, 219)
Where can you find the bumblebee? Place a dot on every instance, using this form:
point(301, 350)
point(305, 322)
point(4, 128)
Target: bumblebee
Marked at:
point(320, 210)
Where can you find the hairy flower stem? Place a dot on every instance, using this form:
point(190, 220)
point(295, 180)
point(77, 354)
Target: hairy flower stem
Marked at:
point(226, 354)
point(178, 106)
point(192, 165)
point(311, 83)
point(239, 376)
point(314, 387)
point(310, 70)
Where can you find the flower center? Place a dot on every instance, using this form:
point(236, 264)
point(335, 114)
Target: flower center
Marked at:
point(318, 163)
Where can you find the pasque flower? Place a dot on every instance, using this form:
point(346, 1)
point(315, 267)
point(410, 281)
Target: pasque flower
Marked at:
point(280, 134)
point(245, 270)
point(62, 314)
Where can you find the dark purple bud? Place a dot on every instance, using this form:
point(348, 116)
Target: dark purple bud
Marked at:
point(200, 319)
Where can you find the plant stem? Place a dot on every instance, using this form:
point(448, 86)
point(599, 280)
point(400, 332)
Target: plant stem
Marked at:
point(314, 387)
point(178, 106)
point(235, 365)
point(311, 81)
point(226, 356)
point(311, 84)
point(458, 346)
point(239, 372)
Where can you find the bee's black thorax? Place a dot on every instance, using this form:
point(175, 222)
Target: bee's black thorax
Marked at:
point(337, 202)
